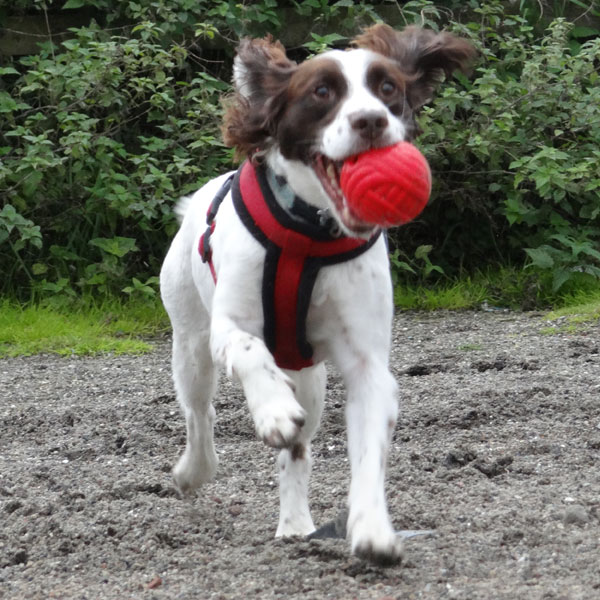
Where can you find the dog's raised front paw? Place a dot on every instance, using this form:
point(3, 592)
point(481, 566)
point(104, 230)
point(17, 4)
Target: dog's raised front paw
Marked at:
point(279, 421)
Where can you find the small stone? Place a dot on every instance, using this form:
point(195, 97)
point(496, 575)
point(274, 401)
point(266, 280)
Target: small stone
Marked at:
point(575, 514)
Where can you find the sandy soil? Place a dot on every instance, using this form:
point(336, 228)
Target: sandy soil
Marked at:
point(497, 451)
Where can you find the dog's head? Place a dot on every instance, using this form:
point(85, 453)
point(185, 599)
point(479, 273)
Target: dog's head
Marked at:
point(307, 118)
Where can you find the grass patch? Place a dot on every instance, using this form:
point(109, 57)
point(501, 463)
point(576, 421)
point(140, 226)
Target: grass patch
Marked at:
point(83, 328)
point(470, 347)
point(503, 288)
point(88, 327)
point(449, 296)
point(580, 309)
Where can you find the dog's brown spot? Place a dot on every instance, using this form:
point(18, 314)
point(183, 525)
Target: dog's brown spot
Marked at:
point(281, 102)
point(391, 426)
point(298, 452)
point(313, 96)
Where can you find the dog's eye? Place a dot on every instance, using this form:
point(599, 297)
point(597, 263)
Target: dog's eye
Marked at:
point(388, 87)
point(322, 92)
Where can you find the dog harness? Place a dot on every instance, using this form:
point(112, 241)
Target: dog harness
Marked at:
point(297, 244)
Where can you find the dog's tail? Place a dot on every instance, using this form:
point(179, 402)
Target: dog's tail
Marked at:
point(182, 207)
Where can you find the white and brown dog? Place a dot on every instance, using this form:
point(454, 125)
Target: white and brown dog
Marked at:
point(281, 275)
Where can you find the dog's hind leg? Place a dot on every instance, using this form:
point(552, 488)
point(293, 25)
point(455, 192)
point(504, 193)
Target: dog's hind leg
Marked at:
point(195, 379)
point(194, 373)
point(295, 462)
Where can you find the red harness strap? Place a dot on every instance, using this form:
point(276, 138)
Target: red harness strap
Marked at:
point(295, 252)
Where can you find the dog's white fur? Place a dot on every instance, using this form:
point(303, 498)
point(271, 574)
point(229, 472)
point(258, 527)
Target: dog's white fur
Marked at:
point(348, 323)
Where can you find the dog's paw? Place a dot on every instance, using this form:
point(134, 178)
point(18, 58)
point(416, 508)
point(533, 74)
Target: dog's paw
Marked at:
point(376, 542)
point(298, 525)
point(189, 474)
point(278, 421)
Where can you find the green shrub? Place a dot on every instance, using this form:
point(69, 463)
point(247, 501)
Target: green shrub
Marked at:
point(101, 135)
point(515, 153)
point(98, 140)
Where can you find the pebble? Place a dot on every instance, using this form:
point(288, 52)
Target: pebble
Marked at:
point(575, 514)
point(155, 583)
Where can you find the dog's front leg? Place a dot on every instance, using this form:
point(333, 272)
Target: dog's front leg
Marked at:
point(277, 416)
point(295, 462)
point(371, 414)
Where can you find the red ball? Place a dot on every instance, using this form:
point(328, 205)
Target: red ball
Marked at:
point(387, 186)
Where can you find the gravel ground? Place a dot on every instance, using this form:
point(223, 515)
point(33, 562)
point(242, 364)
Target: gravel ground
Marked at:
point(497, 451)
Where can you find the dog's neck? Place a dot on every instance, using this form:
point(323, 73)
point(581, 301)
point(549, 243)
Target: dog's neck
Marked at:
point(297, 207)
point(300, 178)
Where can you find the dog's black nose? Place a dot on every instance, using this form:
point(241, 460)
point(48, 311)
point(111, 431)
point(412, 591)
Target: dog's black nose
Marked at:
point(369, 124)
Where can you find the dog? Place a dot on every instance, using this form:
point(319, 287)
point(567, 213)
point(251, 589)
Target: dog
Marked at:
point(269, 298)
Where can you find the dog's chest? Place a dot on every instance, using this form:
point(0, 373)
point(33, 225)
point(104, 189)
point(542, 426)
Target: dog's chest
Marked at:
point(296, 252)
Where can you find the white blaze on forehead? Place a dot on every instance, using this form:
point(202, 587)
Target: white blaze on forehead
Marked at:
point(338, 138)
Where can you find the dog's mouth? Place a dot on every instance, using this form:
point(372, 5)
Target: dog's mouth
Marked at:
point(328, 172)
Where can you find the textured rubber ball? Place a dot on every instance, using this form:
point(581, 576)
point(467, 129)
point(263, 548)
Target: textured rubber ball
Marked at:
point(387, 186)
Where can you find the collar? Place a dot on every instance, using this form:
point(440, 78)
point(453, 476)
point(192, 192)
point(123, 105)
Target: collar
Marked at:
point(297, 208)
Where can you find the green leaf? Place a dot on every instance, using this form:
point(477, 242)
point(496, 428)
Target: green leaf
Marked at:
point(560, 277)
point(39, 269)
point(540, 258)
point(7, 104)
point(117, 246)
point(431, 268)
point(31, 183)
point(584, 32)
point(74, 4)
point(423, 251)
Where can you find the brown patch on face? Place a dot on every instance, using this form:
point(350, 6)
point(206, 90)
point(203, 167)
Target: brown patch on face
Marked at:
point(424, 55)
point(389, 83)
point(314, 92)
point(298, 452)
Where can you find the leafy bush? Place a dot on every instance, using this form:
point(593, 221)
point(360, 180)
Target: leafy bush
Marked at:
point(516, 154)
point(97, 141)
point(100, 136)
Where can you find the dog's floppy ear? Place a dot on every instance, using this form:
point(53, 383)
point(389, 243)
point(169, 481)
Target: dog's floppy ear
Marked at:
point(261, 68)
point(424, 55)
point(261, 74)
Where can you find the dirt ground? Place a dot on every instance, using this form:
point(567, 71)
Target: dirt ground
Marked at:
point(497, 451)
